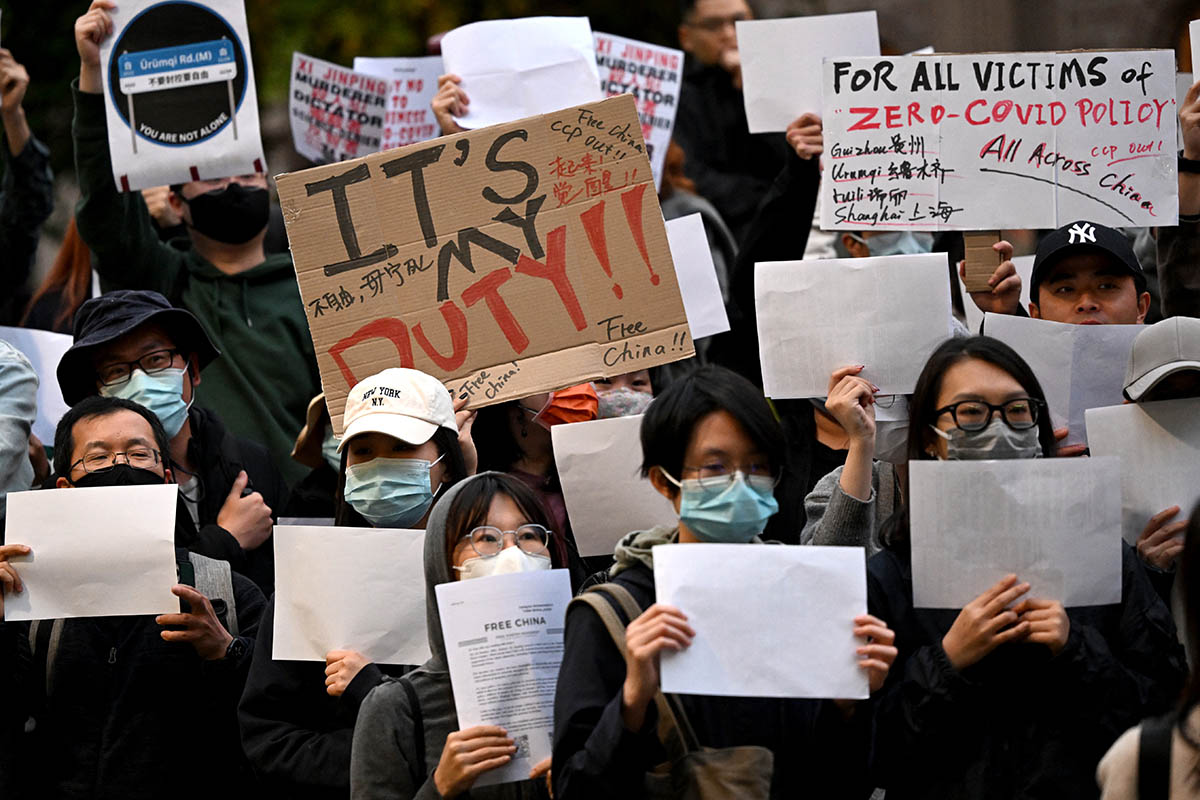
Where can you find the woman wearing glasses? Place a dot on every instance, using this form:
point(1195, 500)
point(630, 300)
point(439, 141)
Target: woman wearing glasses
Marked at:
point(399, 453)
point(407, 742)
point(1012, 696)
point(710, 445)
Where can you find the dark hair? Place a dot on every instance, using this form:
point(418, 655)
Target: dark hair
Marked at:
point(670, 420)
point(469, 510)
point(497, 448)
point(69, 278)
point(922, 407)
point(447, 446)
point(1189, 574)
point(97, 406)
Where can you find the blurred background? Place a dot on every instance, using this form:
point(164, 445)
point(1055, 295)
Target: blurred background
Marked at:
point(39, 33)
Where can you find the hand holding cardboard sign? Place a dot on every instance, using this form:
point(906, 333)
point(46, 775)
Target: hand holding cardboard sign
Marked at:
point(90, 31)
point(1003, 295)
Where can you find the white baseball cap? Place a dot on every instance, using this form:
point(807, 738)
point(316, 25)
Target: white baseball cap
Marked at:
point(404, 403)
point(1164, 348)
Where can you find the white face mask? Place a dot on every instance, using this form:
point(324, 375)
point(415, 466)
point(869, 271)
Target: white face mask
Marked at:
point(509, 560)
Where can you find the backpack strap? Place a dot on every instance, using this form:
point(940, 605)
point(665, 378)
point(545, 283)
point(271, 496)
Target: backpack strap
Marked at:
point(214, 580)
point(674, 730)
point(414, 710)
point(45, 636)
point(1154, 758)
point(885, 499)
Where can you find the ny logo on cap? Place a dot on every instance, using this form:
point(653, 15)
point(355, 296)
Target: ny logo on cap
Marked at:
point(1085, 232)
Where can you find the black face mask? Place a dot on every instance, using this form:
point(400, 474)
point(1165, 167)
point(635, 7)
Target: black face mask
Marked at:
point(120, 475)
point(233, 215)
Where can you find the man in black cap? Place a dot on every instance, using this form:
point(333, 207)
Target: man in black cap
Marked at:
point(136, 345)
point(1084, 273)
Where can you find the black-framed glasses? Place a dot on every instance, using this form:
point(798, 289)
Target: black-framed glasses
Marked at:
point(1020, 414)
point(153, 362)
point(487, 540)
point(136, 457)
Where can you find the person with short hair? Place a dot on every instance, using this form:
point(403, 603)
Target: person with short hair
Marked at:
point(1011, 696)
point(136, 345)
point(399, 452)
point(125, 707)
point(710, 445)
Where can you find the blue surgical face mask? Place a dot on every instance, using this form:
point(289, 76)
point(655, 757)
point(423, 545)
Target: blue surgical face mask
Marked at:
point(329, 449)
point(730, 512)
point(390, 492)
point(160, 393)
point(898, 243)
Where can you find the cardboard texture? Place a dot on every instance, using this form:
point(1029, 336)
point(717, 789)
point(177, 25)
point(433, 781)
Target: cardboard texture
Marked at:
point(506, 261)
point(999, 141)
point(981, 259)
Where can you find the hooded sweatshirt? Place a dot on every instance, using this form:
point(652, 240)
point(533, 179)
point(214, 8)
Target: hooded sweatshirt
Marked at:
point(818, 753)
point(267, 372)
point(386, 760)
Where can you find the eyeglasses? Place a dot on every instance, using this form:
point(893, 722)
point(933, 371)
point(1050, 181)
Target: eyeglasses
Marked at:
point(136, 457)
point(716, 475)
point(153, 362)
point(714, 24)
point(975, 415)
point(487, 540)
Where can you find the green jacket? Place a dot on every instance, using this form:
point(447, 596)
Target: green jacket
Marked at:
point(267, 372)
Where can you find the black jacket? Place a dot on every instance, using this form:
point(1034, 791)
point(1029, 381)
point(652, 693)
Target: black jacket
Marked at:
point(818, 754)
point(219, 456)
point(731, 167)
point(1020, 723)
point(127, 715)
point(296, 735)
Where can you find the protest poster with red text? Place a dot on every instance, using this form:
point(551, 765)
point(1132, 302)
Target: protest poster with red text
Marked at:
point(1021, 140)
point(506, 261)
point(336, 113)
point(654, 76)
point(412, 84)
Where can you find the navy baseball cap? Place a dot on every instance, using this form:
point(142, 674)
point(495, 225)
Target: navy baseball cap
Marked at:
point(1084, 236)
point(110, 316)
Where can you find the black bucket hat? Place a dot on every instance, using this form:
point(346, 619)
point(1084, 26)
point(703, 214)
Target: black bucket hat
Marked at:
point(108, 317)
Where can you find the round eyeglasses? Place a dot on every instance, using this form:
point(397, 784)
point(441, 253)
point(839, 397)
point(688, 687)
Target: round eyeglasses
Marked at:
point(487, 540)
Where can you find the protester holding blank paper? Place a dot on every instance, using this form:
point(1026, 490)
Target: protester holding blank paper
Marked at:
point(731, 167)
point(1011, 696)
point(136, 345)
point(110, 705)
point(407, 743)
point(399, 452)
point(711, 445)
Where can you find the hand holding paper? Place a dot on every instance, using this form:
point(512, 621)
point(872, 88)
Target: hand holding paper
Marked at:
point(10, 579)
point(985, 623)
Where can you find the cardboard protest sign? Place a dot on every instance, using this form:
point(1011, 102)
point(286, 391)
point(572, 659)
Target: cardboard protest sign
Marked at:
point(179, 93)
point(781, 62)
point(1028, 140)
point(506, 261)
point(408, 116)
point(336, 113)
point(653, 75)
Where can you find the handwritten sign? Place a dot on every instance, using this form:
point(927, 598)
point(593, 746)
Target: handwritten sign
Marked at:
point(1022, 140)
point(653, 75)
point(412, 84)
point(506, 261)
point(336, 113)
